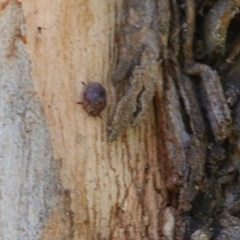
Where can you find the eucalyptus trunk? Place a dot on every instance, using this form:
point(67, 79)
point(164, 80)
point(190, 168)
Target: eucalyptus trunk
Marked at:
point(160, 160)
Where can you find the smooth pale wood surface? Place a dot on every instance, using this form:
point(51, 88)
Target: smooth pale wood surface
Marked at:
point(105, 187)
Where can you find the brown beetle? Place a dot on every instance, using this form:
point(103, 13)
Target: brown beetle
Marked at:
point(94, 98)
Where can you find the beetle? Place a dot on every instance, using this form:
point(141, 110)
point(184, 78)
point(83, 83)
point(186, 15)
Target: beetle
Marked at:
point(94, 98)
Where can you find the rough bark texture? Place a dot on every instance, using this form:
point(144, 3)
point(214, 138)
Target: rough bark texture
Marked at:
point(170, 69)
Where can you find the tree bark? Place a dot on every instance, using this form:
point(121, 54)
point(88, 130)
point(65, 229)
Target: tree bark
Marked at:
point(162, 160)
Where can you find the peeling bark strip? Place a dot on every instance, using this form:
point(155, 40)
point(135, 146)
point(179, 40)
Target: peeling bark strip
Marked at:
point(214, 101)
point(137, 64)
point(216, 25)
point(25, 154)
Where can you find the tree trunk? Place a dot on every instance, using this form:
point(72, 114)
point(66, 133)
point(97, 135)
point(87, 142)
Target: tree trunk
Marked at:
point(160, 161)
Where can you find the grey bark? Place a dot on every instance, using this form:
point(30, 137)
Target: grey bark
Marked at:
point(26, 162)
